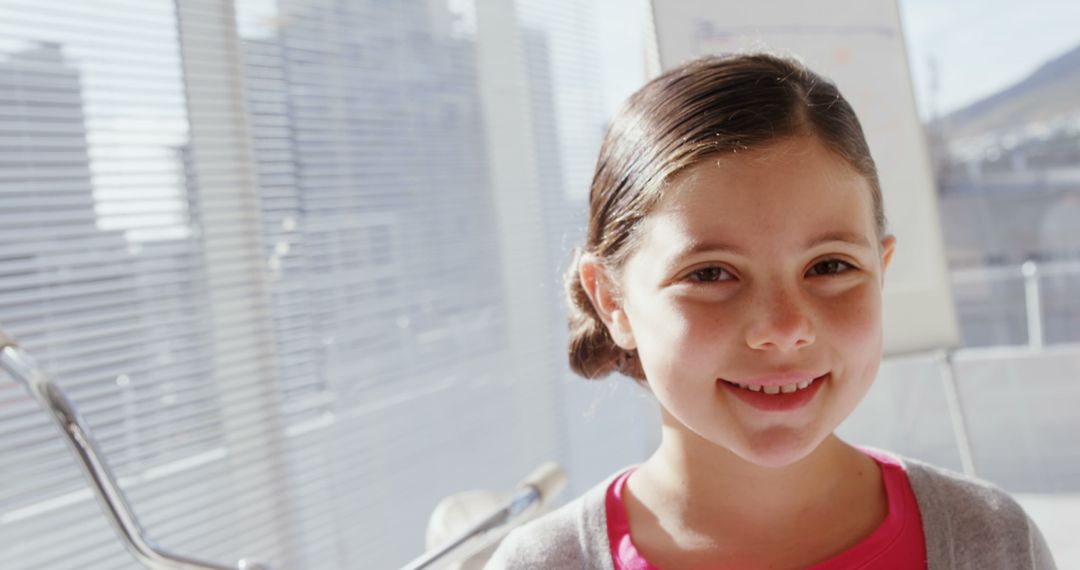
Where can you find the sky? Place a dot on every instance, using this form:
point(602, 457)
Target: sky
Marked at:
point(982, 46)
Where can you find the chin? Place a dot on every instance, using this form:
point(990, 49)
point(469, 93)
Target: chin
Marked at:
point(782, 450)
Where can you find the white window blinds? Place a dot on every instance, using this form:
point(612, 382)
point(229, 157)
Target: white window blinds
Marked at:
point(297, 262)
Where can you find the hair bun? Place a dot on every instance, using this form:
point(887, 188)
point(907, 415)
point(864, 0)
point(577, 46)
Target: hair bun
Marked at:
point(592, 352)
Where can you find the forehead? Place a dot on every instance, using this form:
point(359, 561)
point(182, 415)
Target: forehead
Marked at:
point(770, 200)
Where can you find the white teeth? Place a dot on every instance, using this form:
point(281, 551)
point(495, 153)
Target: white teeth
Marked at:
point(786, 389)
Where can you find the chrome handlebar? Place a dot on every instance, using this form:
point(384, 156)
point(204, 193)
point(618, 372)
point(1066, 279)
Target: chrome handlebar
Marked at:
point(81, 443)
point(534, 493)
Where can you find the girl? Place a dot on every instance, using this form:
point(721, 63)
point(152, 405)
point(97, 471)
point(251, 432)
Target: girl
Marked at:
point(736, 252)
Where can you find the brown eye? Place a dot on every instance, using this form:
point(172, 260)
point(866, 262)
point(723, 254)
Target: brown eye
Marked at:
point(709, 275)
point(832, 267)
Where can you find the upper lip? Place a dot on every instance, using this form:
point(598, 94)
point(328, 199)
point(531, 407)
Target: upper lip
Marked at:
point(779, 379)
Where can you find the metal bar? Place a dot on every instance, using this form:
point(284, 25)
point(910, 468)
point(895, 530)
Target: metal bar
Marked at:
point(503, 518)
point(534, 493)
point(1033, 304)
point(956, 413)
point(81, 442)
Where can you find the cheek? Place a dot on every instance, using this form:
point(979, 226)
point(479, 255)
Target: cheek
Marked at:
point(711, 327)
point(672, 336)
point(663, 334)
point(854, 319)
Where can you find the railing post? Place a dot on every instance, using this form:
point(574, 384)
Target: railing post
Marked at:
point(1033, 304)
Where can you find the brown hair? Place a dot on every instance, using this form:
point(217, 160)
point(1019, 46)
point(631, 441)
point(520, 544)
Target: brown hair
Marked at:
point(708, 106)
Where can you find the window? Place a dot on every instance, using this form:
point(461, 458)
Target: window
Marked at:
point(292, 267)
point(1004, 133)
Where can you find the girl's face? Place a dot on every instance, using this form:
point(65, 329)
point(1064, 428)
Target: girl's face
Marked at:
point(756, 266)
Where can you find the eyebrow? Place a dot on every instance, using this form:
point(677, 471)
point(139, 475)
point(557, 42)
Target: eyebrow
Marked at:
point(846, 237)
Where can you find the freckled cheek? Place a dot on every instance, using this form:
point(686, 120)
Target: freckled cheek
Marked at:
point(707, 330)
point(855, 320)
point(686, 332)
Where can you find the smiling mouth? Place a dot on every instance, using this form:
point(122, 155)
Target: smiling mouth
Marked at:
point(778, 389)
point(778, 397)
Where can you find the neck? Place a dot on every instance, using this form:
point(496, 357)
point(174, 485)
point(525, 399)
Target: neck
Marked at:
point(698, 483)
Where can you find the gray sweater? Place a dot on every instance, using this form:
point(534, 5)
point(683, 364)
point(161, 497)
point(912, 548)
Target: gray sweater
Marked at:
point(968, 524)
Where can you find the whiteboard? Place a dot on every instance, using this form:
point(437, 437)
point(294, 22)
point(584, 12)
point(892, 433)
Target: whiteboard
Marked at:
point(858, 44)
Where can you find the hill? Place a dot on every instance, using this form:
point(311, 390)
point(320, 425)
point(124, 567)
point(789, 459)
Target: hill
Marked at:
point(1050, 91)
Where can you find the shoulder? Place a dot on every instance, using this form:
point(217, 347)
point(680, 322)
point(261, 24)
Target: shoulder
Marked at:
point(969, 521)
point(551, 541)
point(572, 536)
point(966, 497)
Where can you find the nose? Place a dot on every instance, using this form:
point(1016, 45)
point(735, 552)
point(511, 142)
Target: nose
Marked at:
point(780, 321)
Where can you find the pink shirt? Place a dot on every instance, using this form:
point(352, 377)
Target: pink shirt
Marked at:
point(897, 543)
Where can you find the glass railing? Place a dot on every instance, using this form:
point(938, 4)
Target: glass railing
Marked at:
point(1034, 304)
point(1017, 382)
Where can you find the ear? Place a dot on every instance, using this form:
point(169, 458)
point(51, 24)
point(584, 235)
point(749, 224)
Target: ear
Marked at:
point(888, 245)
point(606, 298)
